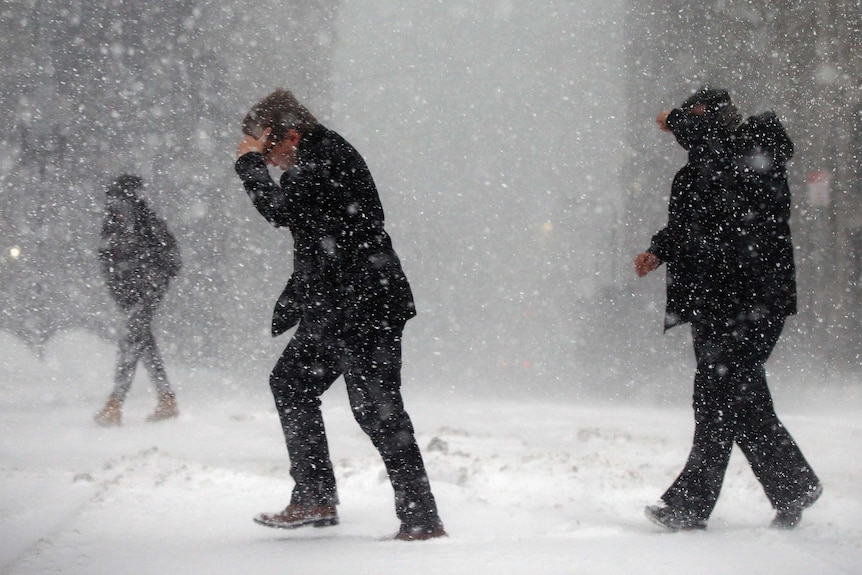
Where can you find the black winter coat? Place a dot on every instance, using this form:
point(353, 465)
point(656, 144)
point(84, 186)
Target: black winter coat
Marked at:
point(343, 260)
point(727, 241)
point(138, 254)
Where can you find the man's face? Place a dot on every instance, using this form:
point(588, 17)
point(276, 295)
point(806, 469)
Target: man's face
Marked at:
point(698, 110)
point(727, 115)
point(283, 154)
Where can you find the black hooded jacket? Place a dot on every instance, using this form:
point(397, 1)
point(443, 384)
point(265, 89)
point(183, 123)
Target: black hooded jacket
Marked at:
point(727, 241)
point(138, 254)
point(343, 258)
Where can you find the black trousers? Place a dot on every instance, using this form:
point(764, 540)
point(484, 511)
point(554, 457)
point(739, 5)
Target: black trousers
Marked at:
point(369, 358)
point(137, 343)
point(732, 403)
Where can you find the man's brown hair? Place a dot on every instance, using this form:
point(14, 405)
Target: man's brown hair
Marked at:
point(281, 112)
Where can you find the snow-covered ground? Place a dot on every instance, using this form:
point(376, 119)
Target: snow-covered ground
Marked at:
point(540, 487)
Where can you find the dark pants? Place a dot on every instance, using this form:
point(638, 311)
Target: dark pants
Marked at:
point(369, 358)
point(732, 403)
point(137, 343)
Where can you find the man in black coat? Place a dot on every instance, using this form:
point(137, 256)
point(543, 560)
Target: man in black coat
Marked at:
point(351, 300)
point(731, 275)
point(139, 257)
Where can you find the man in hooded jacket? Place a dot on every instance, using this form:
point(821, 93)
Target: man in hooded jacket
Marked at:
point(139, 256)
point(731, 275)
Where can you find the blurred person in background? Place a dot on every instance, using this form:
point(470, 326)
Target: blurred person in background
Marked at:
point(351, 300)
point(731, 275)
point(139, 256)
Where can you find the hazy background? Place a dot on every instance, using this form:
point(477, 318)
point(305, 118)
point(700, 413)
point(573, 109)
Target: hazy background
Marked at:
point(512, 142)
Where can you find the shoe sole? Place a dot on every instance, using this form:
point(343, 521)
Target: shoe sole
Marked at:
point(327, 522)
point(803, 503)
point(655, 519)
point(420, 536)
point(812, 498)
point(152, 419)
point(108, 423)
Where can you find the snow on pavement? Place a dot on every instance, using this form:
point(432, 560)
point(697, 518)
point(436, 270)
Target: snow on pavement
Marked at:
point(542, 486)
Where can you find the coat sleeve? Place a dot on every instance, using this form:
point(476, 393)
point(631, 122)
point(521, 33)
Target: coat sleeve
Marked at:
point(690, 239)
point(666, 242)
point(268, 198)
point(165, 248)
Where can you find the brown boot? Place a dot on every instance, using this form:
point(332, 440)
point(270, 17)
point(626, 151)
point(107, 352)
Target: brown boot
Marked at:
point(111, 415)
point(166, 409)
point(297, 515)
point(406, 533)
